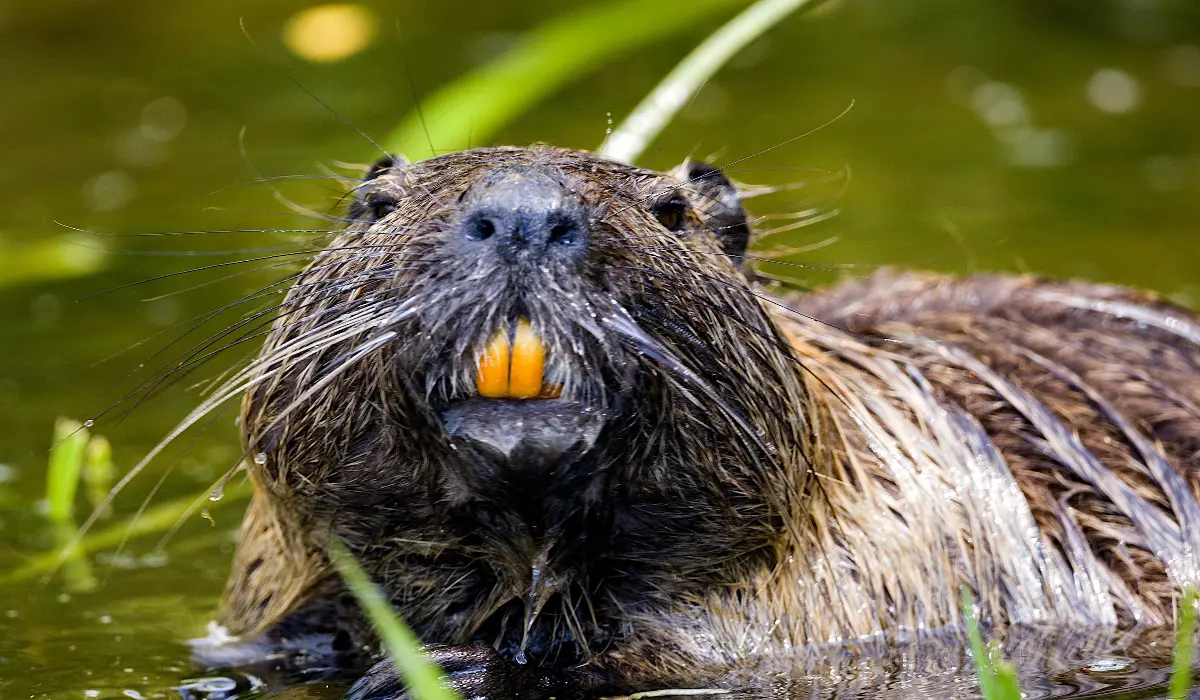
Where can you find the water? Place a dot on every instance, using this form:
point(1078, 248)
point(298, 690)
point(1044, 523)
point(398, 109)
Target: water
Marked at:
point(1056, 137)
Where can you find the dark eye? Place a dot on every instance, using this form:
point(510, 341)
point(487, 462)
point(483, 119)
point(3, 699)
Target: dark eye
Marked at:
point(380, 205)
point(672, 214)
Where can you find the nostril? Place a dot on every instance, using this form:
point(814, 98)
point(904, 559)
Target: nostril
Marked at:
point(562, 233)
point(482, 229)
point(522, 217)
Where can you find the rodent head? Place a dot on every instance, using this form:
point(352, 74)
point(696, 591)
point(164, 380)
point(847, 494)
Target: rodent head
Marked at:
point(534, 357)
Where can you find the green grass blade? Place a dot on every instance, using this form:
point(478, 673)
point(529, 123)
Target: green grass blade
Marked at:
point(654, 112)
point(62, 473)
point(423, 678)
point(1006, 682)
point(76, 568)
point(473, 108)
point(998, 678)
point(1181, 671)
point(979, 654)
point(98, 470)
point(154, 520)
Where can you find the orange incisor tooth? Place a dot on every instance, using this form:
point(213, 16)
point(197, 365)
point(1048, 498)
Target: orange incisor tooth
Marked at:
point(491, 377)
point(528, 363)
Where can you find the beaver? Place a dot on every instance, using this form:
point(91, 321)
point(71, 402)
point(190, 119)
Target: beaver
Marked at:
point(582, 449)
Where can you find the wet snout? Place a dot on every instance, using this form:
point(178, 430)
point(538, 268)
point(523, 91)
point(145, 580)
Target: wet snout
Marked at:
point(527, 231)
point(521, 218)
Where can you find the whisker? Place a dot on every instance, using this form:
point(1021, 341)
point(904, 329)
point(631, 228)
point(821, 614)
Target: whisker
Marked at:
point(751, 292)
point(309, 252)
point(786, 349)
point(162, 479)
point(346, 221)
point(264, 368)
point(756, 154)
point(153, 253)
point(192, 357)
point(797, 250)
point(287, 73)
point(200, 232)
point(810, 221)
point(263, 179)
point(202, 318)
point(218, 280)
point(835, 267)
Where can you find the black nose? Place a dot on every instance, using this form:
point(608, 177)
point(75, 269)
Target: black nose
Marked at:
point(523, 217)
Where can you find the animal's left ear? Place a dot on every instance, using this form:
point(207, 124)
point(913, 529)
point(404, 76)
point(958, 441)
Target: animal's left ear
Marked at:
point(368, 204)
point(717, 199)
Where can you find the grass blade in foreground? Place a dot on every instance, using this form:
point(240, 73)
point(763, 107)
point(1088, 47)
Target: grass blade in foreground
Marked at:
point(1181, 672)
point(67, 456)
point(657, 109)
point(62, 472)
point(154, 520)
point(997, 677)
point(99, 473)
point(474, 107)
point(423, 678)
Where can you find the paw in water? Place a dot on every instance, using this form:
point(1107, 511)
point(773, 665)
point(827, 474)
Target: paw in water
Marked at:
point(477, 671)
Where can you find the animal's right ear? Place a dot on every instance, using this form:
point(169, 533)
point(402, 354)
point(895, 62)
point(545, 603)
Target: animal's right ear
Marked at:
point(719, 200)
point(369, 205)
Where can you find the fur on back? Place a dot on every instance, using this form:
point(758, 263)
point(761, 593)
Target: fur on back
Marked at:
point(1038, 441)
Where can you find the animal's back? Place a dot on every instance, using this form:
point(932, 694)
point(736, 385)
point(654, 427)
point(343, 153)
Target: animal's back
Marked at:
point(1039, 439)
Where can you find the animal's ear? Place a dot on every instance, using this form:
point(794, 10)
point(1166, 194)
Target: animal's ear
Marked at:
point(717, 199)
point(381, 166)
point(369, 205)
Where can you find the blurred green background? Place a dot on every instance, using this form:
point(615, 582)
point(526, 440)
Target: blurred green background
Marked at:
point(1055, 136)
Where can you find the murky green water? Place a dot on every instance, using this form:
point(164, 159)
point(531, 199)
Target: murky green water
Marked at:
point(1060, 136)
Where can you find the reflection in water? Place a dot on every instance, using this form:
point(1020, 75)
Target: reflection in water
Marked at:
point(218, 687)
point(1052, 664)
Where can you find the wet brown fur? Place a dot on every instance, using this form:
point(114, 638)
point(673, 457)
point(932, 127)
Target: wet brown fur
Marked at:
point(897, 431)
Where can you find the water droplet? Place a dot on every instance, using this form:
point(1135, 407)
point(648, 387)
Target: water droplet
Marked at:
point(89, 423)
point(260, 458)
point(217, 494)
